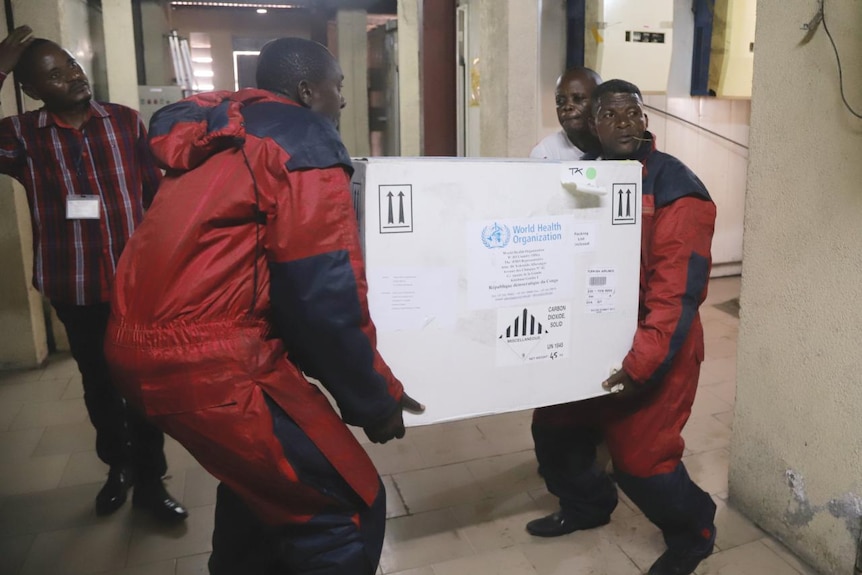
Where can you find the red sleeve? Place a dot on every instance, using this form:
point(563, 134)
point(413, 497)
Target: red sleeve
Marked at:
point(675, 282)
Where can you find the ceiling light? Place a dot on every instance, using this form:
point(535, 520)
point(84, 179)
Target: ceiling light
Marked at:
point(261, 10)
point(226, 4)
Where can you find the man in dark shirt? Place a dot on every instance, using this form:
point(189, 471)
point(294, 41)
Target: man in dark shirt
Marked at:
point(88, 174)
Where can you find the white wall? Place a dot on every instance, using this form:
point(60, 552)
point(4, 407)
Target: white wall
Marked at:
point(795, 456)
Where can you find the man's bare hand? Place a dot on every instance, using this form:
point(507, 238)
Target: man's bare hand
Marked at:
point(393, 426)
point(13, 46)
point(622, 386)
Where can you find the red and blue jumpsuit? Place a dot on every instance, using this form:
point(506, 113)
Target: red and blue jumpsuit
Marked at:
point(643, 434)
point(245, 275)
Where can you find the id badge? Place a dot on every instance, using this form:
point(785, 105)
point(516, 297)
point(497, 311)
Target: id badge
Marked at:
point(82, 207)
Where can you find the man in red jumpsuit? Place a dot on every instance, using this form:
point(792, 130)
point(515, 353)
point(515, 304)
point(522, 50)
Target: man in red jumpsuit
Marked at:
point(245, 275)
point(643, 421)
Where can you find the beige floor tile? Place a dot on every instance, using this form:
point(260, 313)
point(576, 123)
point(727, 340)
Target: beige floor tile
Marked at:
point(788, 556)
point(33, 474)
point(733, 528)
point(47, 413)
point(716, 329)
point(749, 559)
point(721, 348)
point(437, 488)
point(159, 568)
point(500, 562)
point(497, 523)
point(707, 403)
point(193, 565)
point(725, 391)
point(84, 467)
point(421, 540)
point(450, 443)
point(8, 412)
point(705, 434)
point(60, 365)
point(68, 438)
point(13, 552)
point(505, 474)
point(32, 390)
point(714, 371)
point(81, 550)
point(154, 542)
point(641, 541)
point(709, 469)
point(74, 390)
point(18, 445)
point(583, 552)
point(395, 456)
point(725, 417)
point(52, 509)
point(417, 571)
point(507, 432)
point(394, 504)
point(200, 488)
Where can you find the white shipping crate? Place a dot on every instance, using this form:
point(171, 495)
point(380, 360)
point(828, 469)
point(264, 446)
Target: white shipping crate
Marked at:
point(500, 285)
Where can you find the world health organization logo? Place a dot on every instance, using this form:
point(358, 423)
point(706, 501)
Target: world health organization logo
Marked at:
point(496, 236)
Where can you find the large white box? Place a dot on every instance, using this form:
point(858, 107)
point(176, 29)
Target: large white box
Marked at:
point(500, 285)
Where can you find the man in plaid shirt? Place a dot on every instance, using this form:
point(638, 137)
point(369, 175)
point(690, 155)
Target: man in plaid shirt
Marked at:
point(88, 174)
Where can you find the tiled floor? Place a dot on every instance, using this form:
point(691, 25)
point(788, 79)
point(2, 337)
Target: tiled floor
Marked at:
point(459, 494)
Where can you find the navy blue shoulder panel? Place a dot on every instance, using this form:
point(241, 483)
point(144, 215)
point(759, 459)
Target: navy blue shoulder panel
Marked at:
point(165, 118)
point(311, 141)
point(668, 179)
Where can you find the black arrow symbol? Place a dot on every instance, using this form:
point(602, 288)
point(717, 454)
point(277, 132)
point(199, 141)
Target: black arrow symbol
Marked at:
point(620, 210)
point(400, 207)
point(628, 203)
point(391, 217)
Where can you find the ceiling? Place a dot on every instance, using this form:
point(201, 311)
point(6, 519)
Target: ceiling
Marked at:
point(371, 6)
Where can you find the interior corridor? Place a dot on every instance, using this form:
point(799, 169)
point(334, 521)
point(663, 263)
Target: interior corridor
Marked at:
point(459, 494)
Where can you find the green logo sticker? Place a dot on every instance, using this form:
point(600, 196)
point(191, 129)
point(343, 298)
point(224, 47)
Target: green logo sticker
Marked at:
point(591, 173)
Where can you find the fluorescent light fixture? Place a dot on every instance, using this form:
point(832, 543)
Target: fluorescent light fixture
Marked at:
point(220, 4)
point(205, 87)
point(261, 10)
point(202, 60)
point(204, 73)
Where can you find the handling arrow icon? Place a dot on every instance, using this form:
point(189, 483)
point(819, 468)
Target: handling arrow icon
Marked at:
point(391, 219)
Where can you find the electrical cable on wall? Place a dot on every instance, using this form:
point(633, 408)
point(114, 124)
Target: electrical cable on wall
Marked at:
point(838, 58)
point(698, 126)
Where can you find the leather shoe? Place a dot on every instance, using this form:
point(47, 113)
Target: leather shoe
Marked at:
point(154, 497)
point(113, 494)
point(673, 564)
point(557, 524)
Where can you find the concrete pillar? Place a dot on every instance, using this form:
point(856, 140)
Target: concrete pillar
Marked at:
point(353, 57)
point(509, 50)
point(795, 465)
point(157, 53)
point(120, 52)
point(409, 91)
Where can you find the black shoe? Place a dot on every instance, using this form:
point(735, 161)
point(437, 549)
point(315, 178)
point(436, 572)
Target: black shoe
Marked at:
point(673, 564)
point(557, 524)
point(113, 494)
point(154, 497)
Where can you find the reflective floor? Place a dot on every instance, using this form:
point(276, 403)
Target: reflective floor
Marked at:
point(459, 494)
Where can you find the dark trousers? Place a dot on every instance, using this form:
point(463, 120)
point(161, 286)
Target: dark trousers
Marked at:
point(672, 501)
point(344, 539)
point(123, 436)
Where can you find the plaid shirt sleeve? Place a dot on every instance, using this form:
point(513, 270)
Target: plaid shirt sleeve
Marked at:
point(151, 175)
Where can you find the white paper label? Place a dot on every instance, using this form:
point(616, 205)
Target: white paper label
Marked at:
point(601, 289)
point(520, 261)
